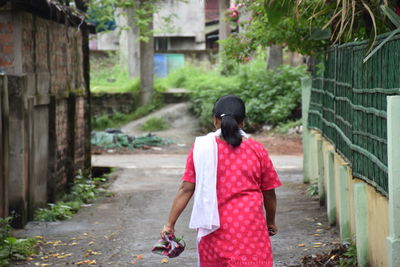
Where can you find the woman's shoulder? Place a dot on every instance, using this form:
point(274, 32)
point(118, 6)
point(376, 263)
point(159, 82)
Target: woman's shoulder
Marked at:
point(254, 142)
point(256, 146)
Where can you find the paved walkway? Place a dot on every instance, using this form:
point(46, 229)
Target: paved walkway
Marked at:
point(114, 231)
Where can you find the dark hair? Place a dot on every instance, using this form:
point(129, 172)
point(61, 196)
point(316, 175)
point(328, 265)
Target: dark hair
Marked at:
point(231, 110)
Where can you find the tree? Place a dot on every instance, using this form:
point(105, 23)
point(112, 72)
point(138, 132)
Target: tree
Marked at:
point(308, 26)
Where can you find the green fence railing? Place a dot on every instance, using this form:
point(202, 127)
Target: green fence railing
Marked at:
point(348, 105)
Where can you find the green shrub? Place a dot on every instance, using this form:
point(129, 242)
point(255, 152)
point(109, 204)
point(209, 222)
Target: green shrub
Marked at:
point(84, 190)
point(350, 257)
point(270, 96)
point(154, 124)
point(12, 248)
point(55, 212)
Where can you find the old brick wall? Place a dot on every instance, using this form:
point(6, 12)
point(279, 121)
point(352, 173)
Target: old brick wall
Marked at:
point(7, 56)
point(48, 59)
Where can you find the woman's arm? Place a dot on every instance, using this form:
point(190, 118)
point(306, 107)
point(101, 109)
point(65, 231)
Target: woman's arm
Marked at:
point(270, 209)
point(185, 192)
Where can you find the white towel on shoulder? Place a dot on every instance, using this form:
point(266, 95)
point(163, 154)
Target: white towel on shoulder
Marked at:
point(205, 216)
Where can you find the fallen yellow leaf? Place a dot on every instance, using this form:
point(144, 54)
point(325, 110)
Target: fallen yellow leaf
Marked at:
point(73, 244)
point(301, 245)
point(64, 256)
point(91, 243)
point(39, 237)
point(164, 260)
point(89, 262)
point(91, 252)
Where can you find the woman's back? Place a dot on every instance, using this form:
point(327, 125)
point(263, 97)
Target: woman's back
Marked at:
point(242, 239)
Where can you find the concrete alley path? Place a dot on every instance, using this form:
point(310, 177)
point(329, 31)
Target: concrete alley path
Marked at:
point(114, 231)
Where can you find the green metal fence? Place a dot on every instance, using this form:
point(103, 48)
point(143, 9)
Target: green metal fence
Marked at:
point(348, 105)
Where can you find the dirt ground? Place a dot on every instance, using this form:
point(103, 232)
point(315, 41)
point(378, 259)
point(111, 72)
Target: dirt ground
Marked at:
point(120, 230)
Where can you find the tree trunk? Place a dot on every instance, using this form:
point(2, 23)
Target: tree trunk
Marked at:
point(275, 57)
point(224, 25)
point(146, 65)
point(129, 45)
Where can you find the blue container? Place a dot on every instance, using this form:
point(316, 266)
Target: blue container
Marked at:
point(175, 61)
point(160, 65)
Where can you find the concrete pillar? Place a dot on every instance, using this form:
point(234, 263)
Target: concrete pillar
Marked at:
point(330, 190)
point(4, 139)
point(18, 152)
point(321, 189)
point(305, 105)
point(344, 213)
point(129, 45)
point(393, 125)
point(361, 220)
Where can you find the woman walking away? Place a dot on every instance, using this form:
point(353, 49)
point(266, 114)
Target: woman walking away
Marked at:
point(233, 181)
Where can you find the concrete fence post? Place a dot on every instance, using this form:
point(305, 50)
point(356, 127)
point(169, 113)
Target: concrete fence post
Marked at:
point(393, 134)
point(344, 214)
point(361, 220)
point(305, 105)
point(330, 190)
point(320, 158)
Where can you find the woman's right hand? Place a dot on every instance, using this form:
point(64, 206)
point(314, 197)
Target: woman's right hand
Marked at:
point(272, 229)
point(167, 230)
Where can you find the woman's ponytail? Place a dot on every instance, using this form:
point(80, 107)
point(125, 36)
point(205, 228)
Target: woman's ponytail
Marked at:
point(230, 131)
point(231, 111)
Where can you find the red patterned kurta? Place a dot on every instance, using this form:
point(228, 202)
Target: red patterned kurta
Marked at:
point(242, 240)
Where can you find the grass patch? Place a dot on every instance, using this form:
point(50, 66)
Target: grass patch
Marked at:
point(116, 120)
point(154, 124)
point(107, 75)
point(83, 191)
point(312, 189)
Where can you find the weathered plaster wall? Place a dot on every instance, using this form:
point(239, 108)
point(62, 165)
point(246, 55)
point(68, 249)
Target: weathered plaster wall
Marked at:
point(189, 19)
